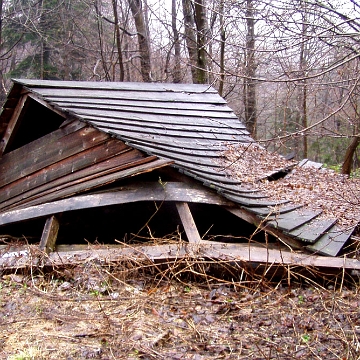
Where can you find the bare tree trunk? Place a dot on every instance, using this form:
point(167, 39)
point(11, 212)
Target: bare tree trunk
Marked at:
point(190, 37)
point(177, 71)
point(143, 38)
point(118, 40)
point(303, 87)
point(201, 25)
point(222, 48)
point(250, 72)
point(349, 155)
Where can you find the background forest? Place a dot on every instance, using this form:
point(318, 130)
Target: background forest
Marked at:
point(289, 69)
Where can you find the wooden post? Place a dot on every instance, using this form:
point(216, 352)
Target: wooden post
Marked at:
point(188, 222)
point(49, 235)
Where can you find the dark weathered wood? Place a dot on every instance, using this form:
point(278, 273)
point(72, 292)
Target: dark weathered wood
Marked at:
point(270, 212)
point(247, 254)
point(188, 222)
point(49, 235)
point(37, 182)
point(134, 193)
point(122, 86)
point(86, 179)
point(331, 242)
point(159, 121)
point(294, 219)
point(12, 124)
point(150, 106)
point(213, 112)
point(248, 202)
point(312, 231)
point(169, 131)
point(44, 151)
point(210, 98)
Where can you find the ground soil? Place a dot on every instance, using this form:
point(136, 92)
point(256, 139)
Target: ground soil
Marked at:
point(185, 312)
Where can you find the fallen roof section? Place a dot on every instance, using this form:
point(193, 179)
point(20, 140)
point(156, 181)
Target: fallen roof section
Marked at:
point(95, 133)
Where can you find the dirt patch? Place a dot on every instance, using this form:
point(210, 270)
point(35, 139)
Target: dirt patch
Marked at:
point(127, 312)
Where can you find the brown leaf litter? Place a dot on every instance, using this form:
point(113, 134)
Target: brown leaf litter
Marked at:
point(92, 312)
point(337, 195)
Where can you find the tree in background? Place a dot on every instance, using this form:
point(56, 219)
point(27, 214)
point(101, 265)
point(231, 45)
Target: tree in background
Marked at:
point(289, 69)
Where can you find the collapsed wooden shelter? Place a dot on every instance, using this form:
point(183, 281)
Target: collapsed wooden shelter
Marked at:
point(68, 147)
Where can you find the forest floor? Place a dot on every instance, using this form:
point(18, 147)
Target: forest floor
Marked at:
point(182, 312)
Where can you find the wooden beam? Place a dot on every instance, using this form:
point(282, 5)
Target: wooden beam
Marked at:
point(127, 194)
point(12, 124)
point(188, 222)
point(251, 255)
point(49, 235)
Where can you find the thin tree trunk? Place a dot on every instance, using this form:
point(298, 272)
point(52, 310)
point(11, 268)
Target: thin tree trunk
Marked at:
point(190, 37)
point(349, 155)
point(177, 69)
point(201, 25)
point(118, 40)
point(250, 72)
point(143, 38)
point(222, 48)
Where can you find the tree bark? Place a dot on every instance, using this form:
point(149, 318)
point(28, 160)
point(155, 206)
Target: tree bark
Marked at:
point(201, 26)
point(250, 72)
point(349, 155)
point(143, 38)
point(118, 40)
point(177, 69)
point(190, 37)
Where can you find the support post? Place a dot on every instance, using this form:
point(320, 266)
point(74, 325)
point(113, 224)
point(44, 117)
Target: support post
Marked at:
point(188, 222)
point(49, 235)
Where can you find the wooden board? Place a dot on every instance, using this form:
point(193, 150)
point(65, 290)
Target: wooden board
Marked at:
point(46, 150)
point(142, 192)
point(331, 242)
point(188, 222)
point(294, 219)
point(41, 180)
point(212, 112)
point(123, 86)
point(49, 235)
point(243, 254)
point(209, 98)
point(102, 174)
point(312, 231)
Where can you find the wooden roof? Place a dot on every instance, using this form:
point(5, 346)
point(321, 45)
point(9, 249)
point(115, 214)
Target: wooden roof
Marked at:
point(186, 125)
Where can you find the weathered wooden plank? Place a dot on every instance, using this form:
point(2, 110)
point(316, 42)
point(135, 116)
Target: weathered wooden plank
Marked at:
point(148, 132)
point(220, 114)
point(209, 98)
point(332, 242)
point(124, 86)
point(134, 193)
point(12, 124)
point(19, 190)
point(271, 211)
point(248, 202)
point(247, 254)
point(294, 219)
point(80, 180)
point(188, 222)
point(49, 235)
point(312, 231)
point(14, 164)
point(180, 122)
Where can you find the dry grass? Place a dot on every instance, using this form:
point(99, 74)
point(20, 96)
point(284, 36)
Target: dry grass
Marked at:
point(186, 310)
